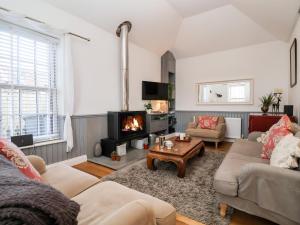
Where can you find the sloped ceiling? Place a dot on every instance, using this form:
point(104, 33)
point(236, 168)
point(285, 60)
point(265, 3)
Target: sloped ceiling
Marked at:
point(218, 30)
point(191, 27)
point(188, 8)
point(155, 23)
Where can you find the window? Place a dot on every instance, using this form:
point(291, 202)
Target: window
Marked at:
point(28, 85)
point(236, 93)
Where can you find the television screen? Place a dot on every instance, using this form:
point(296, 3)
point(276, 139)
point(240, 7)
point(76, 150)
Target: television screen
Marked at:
point(154, 91)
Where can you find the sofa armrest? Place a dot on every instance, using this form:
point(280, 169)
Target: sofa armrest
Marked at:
point(254, 135)
point(221, 127)
point(38, 163)
point(191, 125)
point(272, 188)
point(143, 215)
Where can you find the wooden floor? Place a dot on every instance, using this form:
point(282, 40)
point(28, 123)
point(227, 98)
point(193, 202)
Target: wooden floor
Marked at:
point(238, 218)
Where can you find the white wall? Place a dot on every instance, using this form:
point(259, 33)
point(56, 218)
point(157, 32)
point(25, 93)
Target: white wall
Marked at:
point(96, 63)
point(295, 91)
point(266, 63)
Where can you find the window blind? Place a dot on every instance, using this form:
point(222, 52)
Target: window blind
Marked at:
point(28, 83)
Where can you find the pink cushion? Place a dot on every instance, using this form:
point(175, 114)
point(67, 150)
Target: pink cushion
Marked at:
point(274, 135)
point(208, 122)
point(18, 158)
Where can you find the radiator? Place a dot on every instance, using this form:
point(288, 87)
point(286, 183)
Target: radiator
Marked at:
point(233, 127)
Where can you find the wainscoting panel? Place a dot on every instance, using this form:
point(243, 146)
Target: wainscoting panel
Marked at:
point(51, 153)
point(87, 131)
point(184, 117)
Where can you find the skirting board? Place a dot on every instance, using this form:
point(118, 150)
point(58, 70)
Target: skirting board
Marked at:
point(71, 162)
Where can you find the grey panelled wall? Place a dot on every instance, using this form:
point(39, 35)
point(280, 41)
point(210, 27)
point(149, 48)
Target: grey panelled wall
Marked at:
point(184, 117)
point(50, 153)
point(87, 131)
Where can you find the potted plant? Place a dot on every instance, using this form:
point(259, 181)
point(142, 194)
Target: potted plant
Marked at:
point(148, 107)
point(266, 102)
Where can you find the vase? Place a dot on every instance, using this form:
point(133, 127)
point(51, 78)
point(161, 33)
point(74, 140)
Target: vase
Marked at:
point(149, 110)
point(264, 109)
point(97, 150)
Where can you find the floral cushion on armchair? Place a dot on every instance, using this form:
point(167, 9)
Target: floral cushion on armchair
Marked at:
point(272, 137)
point(208, 122)
point(18, 158)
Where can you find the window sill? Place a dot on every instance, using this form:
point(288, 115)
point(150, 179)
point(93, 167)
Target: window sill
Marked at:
point(39, 144)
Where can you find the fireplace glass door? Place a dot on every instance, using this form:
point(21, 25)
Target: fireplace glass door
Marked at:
point(132, 124)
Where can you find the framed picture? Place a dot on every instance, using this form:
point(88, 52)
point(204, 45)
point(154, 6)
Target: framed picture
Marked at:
point(293, 63)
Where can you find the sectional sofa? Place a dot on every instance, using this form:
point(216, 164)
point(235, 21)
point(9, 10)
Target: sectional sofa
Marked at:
point(105, 203)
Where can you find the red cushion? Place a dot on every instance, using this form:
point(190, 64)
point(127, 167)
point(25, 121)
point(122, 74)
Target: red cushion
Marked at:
point(208, 122)
point(274, 135)
point(18, 158)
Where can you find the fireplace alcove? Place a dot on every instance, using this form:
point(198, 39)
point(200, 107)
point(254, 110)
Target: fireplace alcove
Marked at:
point(125, 126)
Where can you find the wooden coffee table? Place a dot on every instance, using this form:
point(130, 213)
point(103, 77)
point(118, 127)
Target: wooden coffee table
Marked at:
point(179, 154)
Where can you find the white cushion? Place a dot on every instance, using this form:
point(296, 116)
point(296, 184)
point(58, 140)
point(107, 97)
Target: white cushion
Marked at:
point(285, 153)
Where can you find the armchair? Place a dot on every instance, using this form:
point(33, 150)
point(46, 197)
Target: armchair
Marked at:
point(208, 135)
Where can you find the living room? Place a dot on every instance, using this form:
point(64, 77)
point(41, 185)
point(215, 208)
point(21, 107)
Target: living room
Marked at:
point(149, 112)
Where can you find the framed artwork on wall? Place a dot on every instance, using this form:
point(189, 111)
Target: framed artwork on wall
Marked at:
point(293, 63)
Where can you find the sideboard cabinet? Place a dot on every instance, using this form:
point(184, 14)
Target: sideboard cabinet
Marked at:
point(263, 122)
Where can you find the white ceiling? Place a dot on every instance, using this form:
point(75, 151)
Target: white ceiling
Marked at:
point(218, 30)
point(191, 27)
point(188, 8)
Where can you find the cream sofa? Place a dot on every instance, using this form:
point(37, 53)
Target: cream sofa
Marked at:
point(105, 203)
point(216, 135)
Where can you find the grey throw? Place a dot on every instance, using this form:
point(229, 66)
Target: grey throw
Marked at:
point(23, 201)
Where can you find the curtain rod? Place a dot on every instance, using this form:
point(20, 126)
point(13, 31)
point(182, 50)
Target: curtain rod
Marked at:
point(76, 35)
point(39, 21)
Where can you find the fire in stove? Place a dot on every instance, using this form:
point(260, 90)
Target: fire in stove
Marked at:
point(132, 123)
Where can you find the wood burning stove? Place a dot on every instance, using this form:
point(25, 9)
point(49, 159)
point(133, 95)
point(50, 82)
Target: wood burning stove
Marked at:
point(125, 126)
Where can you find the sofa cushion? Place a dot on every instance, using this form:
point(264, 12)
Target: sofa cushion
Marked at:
point(108, 196)
point(14, 154)
point(282, 128)
point(38, 163)
point(241, 153)
point(143, 215)
point(286, 152)
point(68, 180)
point(205, 133)
point(248, 148)
point(208, 122)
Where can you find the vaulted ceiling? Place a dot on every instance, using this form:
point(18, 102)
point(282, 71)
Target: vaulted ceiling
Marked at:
point(191, 27)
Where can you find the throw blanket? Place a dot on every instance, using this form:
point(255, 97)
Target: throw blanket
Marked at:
point(24, 201)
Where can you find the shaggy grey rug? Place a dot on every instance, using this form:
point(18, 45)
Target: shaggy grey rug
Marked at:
point(192, 196)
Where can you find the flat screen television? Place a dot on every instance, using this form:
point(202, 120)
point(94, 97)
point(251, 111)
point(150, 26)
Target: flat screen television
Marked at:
point(154, 91)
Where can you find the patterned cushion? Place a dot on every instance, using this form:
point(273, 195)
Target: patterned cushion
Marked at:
point(272, 137)
point(286, 152)
point(18, 158)
point(208, 122)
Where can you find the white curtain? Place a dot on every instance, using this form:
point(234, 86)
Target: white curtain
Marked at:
point(68, 91)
